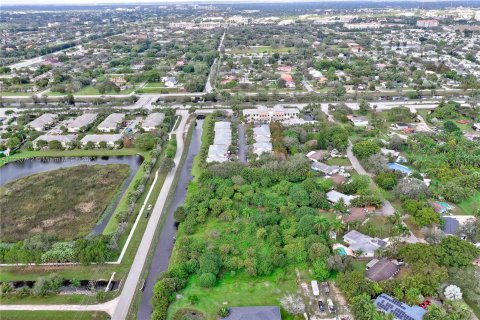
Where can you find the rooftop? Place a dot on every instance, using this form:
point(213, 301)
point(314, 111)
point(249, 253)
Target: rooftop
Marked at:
point(153, 120)
point(254, 313)
point(382, 270)
point(400, 310)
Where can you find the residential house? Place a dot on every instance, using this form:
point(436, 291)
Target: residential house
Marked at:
point(325, 168)
point(358, 121)
point(152, 121)
point(81, 122)
point(264, 114)
point(218, 151)
point(110, 139)
point(65, 140)
point(111, 122)
point(380, 270)
point(170, 82)
point(289, 83)
point(334, 196)
point(398, 309)
point(43, 122)
point(362, 244)
point(260, 148)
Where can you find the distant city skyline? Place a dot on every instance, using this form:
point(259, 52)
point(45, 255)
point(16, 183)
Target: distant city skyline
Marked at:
point(124, 2)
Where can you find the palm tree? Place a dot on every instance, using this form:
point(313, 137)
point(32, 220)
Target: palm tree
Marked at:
point(337, 226)
point(321, 224)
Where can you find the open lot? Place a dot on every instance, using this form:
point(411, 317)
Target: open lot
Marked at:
point(65, 202)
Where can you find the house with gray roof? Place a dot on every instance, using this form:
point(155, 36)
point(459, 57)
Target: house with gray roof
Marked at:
point(152, 121)
point(334, 196)
point(399, 310)
point(362, 244)
point(254, 313)
point(64, 140)
point(81, 122)
point(111, 122)
point(110, 139)
point(380, 270)
point(325, 168)
point(41, 123)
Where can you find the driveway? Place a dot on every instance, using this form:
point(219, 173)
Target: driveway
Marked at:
point(242, 143)
point(387, 208)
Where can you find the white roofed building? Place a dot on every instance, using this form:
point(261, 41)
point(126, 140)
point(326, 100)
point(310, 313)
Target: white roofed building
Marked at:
point(152, 121)
point(111, 122)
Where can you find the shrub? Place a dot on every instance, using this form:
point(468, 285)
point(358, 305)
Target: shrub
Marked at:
point(386, 180)
point(207, 280)
point(47, 285)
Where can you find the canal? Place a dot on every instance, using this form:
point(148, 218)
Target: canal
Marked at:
point(164, 247)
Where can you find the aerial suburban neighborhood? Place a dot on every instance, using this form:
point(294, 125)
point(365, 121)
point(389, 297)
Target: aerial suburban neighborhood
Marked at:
point(240, 160)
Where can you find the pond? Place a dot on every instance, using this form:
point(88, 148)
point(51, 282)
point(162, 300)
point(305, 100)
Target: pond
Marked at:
point(26, 167)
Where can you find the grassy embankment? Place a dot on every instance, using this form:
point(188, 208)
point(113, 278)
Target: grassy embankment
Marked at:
point(53, 315)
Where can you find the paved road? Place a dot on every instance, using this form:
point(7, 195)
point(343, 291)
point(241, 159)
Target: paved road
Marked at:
point(387, 208)
point(242, 143)
point(208, 84)
point(166, 241)
point(308, 86)
point(133, 278)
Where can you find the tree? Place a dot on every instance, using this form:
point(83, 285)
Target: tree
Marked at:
point(318, 199)
point(365, 148)
point(320, 270)
point(386, 180)
point(293, 304)
point(450, 126)
point(13, 142)
point(55, 145)
point(318, 251)
point(411, 188)
point(207, 280)
point(363, 308)
point(452, 292)
point(364, 107)
point(145, 142)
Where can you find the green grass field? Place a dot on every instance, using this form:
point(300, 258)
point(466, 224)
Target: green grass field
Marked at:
point(52, 315)
point(239, 290)
point(468, 205)
point(65, 202)
point(18, 94)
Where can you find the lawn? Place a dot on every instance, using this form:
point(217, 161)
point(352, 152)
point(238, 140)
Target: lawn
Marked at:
point(339, 162)
point(151, 89)
point(237, 290)
point(65, 202)
point(468, 205)
point(263, 49)
point(5, 93)
point(53, 315)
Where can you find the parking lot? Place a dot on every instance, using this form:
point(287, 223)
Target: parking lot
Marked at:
point(327, 291)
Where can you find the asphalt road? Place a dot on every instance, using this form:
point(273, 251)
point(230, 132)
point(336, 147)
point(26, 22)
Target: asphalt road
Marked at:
point(242, 143)
point(130, 284)
point(166, 241)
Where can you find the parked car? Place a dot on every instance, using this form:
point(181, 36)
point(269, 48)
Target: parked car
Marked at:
point(331, 306)
point(321, 306)
point(425, 304)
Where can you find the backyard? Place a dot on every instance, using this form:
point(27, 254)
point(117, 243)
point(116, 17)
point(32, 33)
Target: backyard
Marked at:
point(31, 204)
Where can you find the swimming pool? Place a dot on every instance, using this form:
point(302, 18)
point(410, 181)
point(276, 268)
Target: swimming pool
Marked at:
point(341, 251)
point(399, 167)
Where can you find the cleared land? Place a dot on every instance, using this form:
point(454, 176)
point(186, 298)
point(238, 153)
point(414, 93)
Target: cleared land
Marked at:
point(66, 202)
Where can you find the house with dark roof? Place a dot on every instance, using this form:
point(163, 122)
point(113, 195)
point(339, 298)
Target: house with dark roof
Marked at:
point(398, 309)
point(254, 313)
point(380, 270)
